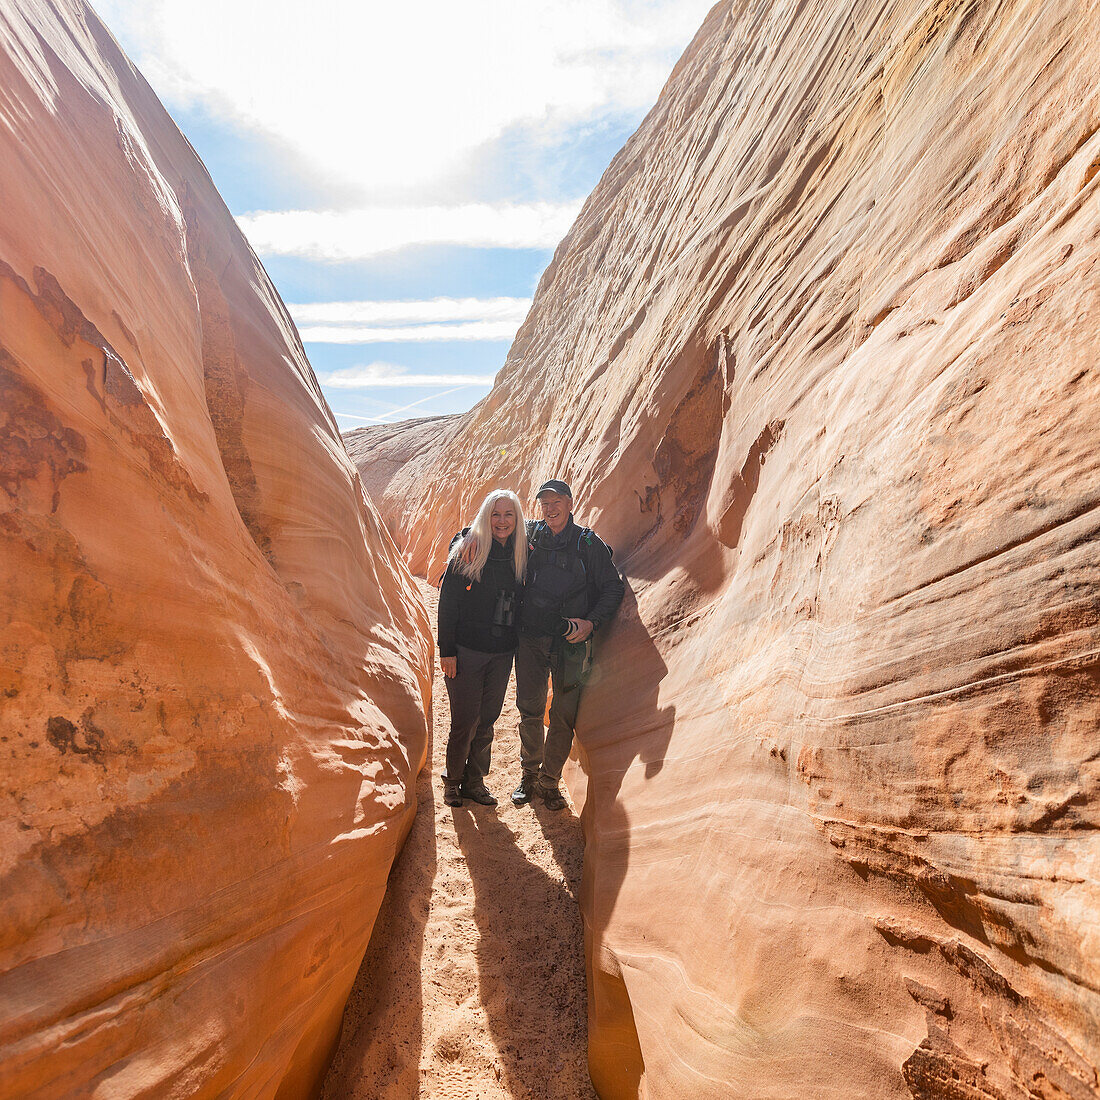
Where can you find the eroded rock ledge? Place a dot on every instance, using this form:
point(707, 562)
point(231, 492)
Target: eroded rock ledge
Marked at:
point(820, 356)
point(213, 663)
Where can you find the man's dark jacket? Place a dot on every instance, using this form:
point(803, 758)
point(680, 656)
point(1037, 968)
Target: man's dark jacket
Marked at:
point(603, 590)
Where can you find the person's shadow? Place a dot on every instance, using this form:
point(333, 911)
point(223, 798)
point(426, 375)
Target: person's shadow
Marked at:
point(620, 726)
point(529, 960)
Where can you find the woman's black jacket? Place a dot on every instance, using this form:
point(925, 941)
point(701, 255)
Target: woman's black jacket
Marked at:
point(467, 608)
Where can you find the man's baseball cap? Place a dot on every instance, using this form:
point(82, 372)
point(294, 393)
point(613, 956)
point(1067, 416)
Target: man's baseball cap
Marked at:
point(554, 486)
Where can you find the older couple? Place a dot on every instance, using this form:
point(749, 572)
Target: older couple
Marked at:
point(535, 591)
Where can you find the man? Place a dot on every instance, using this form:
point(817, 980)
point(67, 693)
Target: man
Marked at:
point(572, 588)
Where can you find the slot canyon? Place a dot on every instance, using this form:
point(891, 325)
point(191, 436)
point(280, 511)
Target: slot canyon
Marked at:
point(820, 357)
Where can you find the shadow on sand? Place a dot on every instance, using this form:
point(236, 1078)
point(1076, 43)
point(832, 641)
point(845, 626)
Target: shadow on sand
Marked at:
point(530, 961)
point(531, 968)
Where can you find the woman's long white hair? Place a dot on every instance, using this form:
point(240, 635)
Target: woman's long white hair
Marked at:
point(482, 530)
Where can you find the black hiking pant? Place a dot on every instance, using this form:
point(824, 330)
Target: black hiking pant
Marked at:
point(541, 750)
point(477, 696)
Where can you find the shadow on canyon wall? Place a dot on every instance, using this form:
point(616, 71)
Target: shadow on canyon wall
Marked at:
point(617, 730)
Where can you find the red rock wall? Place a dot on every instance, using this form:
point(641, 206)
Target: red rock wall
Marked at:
point(214, 667)
point(820, 356)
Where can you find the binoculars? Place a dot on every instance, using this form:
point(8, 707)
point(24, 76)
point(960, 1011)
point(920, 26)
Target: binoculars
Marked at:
point(504, 614)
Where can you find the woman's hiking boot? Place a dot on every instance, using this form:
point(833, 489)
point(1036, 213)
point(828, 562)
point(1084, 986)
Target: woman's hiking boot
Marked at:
point(452, 793)
point(477, 792)
point(526, 789)
point(550, 794)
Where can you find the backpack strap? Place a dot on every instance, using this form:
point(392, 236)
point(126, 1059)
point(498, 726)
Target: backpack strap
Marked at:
point(561, 556)
point(587, 539)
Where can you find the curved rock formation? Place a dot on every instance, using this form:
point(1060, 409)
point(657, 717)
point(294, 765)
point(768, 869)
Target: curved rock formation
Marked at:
point(214, 667)
point(381, 450)
point(820, 356)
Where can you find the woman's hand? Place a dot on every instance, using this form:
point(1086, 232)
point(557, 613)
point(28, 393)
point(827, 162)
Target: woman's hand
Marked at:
point(582, 629)
point(449, 666)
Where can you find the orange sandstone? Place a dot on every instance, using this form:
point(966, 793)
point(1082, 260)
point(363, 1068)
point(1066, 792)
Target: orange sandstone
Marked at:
point(820, 356)
point(214, 667)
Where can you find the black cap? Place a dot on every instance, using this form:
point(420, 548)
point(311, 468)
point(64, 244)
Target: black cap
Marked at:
point(554, 486)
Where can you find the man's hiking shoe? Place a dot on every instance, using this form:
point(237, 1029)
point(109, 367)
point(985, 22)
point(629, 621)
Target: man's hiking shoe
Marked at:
point(550, 794)
point(452, 795)
point(522, 794)
point(478, 793)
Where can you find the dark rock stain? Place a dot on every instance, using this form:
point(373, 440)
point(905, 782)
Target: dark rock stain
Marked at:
point(127, 407)
point(34, 444)
point(85, 740)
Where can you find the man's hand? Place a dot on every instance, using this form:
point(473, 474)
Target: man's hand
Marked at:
point(449, 666)
point(582, 629)
point(469, 548)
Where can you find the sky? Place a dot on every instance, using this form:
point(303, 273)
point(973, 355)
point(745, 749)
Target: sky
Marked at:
point(405, 171)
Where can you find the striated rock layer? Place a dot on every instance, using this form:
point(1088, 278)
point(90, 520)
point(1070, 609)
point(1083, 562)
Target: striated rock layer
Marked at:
point(214, 667)
point(821, 356)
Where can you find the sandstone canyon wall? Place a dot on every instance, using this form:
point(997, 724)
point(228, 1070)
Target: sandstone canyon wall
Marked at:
point(214, 667)
point(821, 356)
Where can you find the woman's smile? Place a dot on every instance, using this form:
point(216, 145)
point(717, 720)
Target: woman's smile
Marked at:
point(502, 521)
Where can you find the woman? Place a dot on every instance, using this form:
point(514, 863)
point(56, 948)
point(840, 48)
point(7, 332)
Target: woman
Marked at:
point(477, 640)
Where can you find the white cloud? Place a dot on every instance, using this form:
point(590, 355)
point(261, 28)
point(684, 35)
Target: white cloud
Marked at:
point(358, 234)
point(433, 319)
point(404, 312)
point(381, 375)
point(388, 97)
point(359, 334)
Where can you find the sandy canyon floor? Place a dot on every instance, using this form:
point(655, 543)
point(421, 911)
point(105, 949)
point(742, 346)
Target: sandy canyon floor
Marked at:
point(473, 985)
